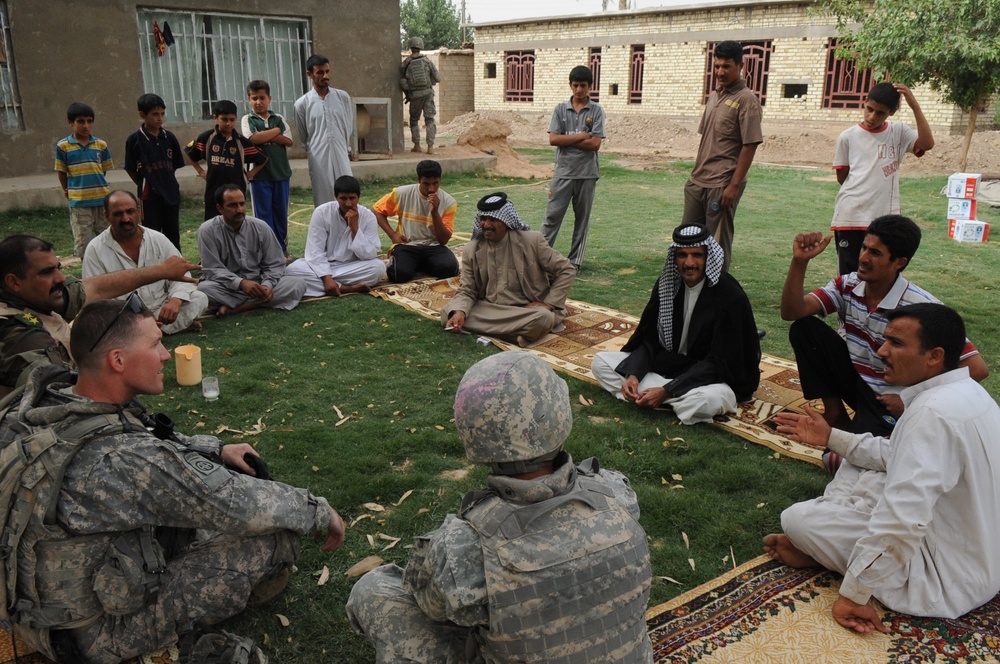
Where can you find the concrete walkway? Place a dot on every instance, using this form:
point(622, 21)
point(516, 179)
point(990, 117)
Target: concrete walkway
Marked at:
point(34, 191)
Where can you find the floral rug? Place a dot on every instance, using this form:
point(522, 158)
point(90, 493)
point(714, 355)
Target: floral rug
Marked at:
point(765, 612)
point(590, 328)
point(27, 655)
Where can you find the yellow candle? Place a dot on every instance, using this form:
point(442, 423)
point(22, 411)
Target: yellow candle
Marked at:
point(188, 360)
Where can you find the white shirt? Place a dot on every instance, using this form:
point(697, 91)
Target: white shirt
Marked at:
point(933, 536)
point(329, 241)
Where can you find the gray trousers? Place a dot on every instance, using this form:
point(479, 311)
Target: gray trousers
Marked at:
point(209, 582)
point(426, 106)
point(704, 206)
point(287, 293)
point(562, 192)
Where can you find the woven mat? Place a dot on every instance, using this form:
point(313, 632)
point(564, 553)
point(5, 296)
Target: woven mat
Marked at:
point(590, 328)
point(766, 612)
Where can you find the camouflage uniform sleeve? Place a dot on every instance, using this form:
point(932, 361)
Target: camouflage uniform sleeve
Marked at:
point(124, 481)
point(76, 297)
point(446, 574)
point(623, 491)
point(24, 345)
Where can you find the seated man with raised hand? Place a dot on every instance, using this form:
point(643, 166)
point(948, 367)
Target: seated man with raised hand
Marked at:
point(243, 266)
point(548, 564)
point(696, 347)
point(161, 537)
point(126, 245)
point(514, 284)
point(37, 301)
point(426, 215)
point(843, 366)
point(342, 246)
point(916, 526)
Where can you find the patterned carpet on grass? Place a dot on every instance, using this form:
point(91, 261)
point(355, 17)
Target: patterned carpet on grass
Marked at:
point(764, 612)
point(590, 328)
point(26, 654)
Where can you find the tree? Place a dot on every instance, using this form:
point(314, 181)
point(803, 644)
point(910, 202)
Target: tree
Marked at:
point(437, 22)
point(953, 45)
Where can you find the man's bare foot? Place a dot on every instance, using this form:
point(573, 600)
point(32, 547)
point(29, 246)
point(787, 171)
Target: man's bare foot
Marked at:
point(223, 311)
point(780, 548)
point(195, 326)
point(354, 288)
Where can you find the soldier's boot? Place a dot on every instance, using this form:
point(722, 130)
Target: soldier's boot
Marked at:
point(430, 148)
point(415, 148)
point(269, 588)
point(224, 648)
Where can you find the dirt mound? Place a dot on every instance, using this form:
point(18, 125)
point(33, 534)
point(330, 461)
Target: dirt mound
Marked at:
point(650, 141)
point(492, 135)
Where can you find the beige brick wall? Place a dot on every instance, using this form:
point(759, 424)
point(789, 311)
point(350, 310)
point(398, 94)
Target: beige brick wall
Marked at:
point(455, 94)
point(675, 43)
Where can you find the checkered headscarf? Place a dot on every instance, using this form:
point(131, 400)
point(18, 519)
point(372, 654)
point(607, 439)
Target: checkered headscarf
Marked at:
point(496, 206)
point(688, 235)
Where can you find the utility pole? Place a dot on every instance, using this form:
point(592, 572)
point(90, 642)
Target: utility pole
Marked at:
point(463, 23)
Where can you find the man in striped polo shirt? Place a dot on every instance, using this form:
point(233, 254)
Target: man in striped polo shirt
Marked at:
point(843, 366)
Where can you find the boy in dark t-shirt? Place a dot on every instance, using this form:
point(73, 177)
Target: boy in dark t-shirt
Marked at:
point(152, 154)
point(226, 155)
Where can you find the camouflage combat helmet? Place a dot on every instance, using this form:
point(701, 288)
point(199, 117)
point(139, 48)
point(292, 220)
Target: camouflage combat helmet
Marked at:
point(512, 412)
point(417, 43)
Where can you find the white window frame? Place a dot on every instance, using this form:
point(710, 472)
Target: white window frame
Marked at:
point(215, 55)
point(11, 118)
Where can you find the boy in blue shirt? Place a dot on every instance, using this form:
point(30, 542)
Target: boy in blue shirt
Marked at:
point(270, 133)
point(81, 162)
point(152, 154)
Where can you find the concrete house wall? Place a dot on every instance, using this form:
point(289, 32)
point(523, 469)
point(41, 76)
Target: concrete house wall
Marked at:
point(77, 50)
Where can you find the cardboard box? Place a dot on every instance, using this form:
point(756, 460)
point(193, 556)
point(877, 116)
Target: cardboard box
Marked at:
point(951, 227)
point(971, 231)
point(963, 185)
point(962, 208)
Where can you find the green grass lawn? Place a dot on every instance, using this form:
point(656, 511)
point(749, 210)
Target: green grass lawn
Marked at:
point(355, 395)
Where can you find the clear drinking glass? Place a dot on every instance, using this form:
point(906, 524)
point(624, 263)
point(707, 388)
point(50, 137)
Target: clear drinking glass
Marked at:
point(210, 387)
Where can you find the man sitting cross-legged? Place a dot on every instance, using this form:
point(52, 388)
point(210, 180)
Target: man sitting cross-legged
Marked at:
point(514, 284)
point(342, 246)
point(696, 348)
point(915, 527)
point(845, 367)
point(426, 215)
point(126, 245)
point(243, 266)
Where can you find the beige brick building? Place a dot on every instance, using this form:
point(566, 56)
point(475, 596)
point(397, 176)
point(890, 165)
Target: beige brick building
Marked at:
point(656, 62)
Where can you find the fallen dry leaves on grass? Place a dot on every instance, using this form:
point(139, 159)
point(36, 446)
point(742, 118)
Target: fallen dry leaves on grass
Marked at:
point(363, 565)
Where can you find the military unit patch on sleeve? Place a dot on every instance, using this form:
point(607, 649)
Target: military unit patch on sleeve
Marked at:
point(209, 472)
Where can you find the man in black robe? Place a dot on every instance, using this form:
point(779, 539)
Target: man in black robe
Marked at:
point(700, 355)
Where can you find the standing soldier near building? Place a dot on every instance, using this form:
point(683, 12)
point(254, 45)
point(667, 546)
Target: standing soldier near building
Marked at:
point(417, 76)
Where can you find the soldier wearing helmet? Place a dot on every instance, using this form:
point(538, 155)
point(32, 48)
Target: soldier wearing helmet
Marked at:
point(417, 77)
point(549, 563)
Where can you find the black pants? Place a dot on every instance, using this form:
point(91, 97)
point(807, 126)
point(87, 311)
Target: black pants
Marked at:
point(849, 249)
point(159, 216)
point(826, 371)
point(407, 260)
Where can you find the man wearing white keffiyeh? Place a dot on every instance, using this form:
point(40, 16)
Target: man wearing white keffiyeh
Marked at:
point(696, 347)
point(513, 284)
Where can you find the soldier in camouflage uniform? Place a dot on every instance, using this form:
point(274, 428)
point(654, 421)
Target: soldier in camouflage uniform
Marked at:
point(417, 76)
point(142, 539)
point(548, 564)
point(36, 301)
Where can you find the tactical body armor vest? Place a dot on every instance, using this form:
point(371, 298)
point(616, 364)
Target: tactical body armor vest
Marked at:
point(48, 575)
point(568, 578)
point(417, 77)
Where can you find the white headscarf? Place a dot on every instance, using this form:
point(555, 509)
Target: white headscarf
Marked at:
point(496, 206)
point(687, 235)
